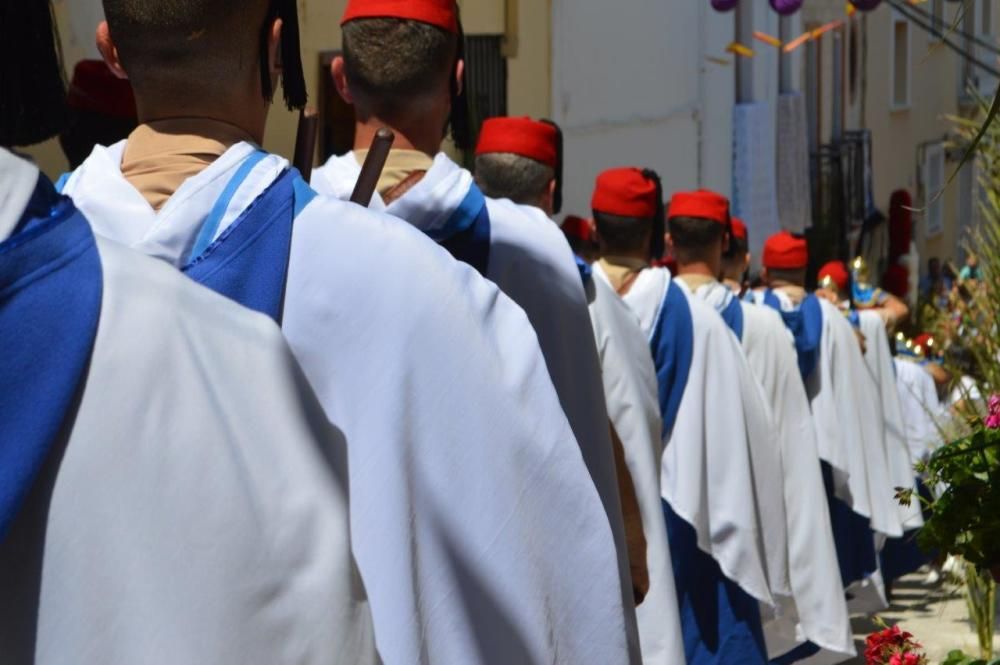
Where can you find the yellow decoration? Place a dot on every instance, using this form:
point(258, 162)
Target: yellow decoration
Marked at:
point(739, 49)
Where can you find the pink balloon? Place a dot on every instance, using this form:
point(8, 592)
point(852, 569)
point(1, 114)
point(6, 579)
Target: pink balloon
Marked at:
point(724, 5)
point(786, 7)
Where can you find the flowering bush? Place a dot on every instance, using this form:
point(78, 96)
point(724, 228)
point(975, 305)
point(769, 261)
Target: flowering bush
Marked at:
point(993, 418)
point(892, 646)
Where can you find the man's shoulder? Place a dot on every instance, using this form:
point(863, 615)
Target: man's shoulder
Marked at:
point(527, 229)
point(147, 289)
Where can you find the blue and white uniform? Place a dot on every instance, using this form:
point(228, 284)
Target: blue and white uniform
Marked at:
point(169, 488)
point(849, 434)
point(901, 555)
point(722, 499)
point(631, 392)
point(817, 614)
point(528, 258)
point(463, 465)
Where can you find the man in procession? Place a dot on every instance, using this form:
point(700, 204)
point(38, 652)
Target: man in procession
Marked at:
point(246, 419)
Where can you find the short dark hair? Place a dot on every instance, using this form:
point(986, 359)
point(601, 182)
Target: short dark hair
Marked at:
point(624, 234)
point(693, 238)
point(738, 249)
point(796, 277)
point(391, 62)
point(505, 175)
point(180, 45)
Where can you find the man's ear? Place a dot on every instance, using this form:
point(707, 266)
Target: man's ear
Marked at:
point(749, 256)
point(109, 51)
point(764, 277)
point(669, 242)
point(548, 198)
point(274, 48)
point(339, 73)
point(726, 239)
point(460, 76)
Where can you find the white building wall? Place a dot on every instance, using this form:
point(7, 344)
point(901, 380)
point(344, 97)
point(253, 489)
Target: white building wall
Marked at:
point(640, 84)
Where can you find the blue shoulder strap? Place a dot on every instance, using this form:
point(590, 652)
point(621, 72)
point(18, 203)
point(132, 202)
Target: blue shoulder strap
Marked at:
point(586, 270)
point(806, 325)
point(733, 316)
point(249, 262)
point(467, 233)
point(51, 285)
point(672, 344)
point(211, 224)
point(61, 182)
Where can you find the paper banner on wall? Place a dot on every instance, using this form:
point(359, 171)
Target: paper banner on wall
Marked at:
point(755, 198)
point(794, 189)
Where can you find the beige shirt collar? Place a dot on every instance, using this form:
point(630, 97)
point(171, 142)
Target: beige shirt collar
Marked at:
point(161, 155)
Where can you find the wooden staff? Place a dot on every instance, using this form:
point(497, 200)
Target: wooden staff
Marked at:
point(371, 171)
point(305, 142)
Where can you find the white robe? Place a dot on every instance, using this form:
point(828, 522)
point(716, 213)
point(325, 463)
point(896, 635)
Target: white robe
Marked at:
point(921, 408)
point(710, 473)
point(532, 263)
point(631, 392)
point(198, 517)
point(463, 467)
point(817, 612)
point(849, 429)
point(902, 473)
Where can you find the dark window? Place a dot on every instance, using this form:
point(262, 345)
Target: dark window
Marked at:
point(486, 76)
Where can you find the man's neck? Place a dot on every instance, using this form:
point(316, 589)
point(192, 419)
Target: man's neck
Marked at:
point(418, 138)
point(734, 285)
point(699, 268)
point(248, 116)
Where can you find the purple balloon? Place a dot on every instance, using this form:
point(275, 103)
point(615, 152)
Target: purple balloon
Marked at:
point(786, 7)
point(866, 5)
point(724, 5)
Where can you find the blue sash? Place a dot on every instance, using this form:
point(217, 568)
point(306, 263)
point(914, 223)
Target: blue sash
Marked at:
point(902, 556)
point(720, 622)
point(51, 285)
point(672, 345)
point(586, 270)
point(806, 325)
point(467, 233)
point(249, 261)
point(733, 316)
point(852, 535)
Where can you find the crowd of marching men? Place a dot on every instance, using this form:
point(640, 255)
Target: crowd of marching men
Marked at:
point(246, 420)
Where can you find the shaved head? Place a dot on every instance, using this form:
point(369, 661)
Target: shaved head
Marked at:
point(184, 46)
point(393, 65)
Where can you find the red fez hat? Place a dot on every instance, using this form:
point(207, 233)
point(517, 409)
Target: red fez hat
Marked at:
point(94, 88)
point(578, 228)
point(626, 192)
point(738, 228)
point(520, 136)
point(701, 204)
point(784, 251)
point(836, 271)
point(440, 13)
point(926, 342)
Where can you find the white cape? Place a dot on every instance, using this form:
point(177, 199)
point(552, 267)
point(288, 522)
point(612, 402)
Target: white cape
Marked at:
point(921, 408)
point(463, 468)
point(818, 612)
point(902, 473)
point(710, 473)
point(631, 392)
point(531, 262)
point(200, 517)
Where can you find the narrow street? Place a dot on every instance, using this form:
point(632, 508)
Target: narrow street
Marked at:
point(935, 614)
